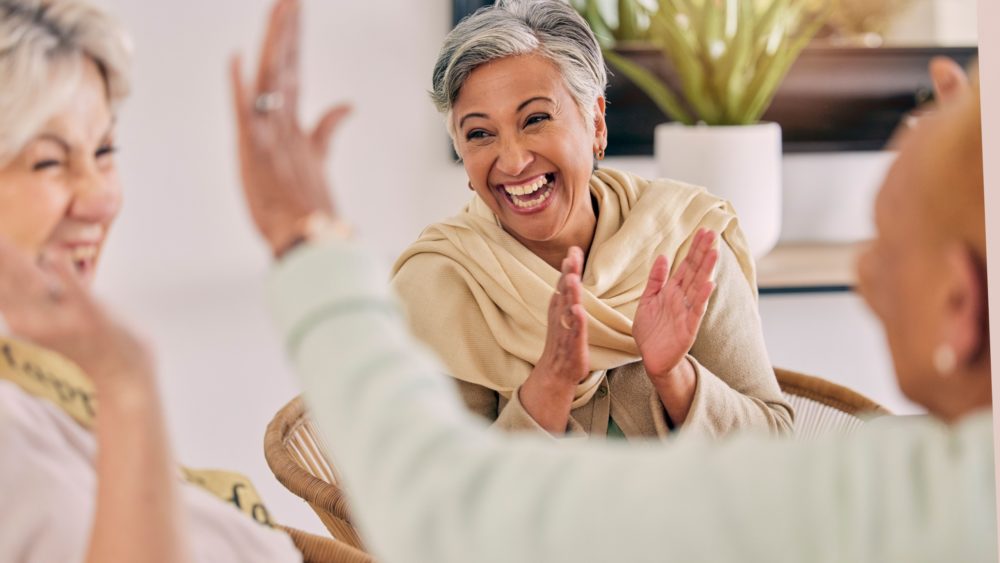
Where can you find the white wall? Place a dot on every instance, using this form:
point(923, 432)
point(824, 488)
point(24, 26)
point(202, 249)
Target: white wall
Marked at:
point(183, 263)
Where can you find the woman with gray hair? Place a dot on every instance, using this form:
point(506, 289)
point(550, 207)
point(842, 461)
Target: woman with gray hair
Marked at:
point(550, 297)
point(81, 480)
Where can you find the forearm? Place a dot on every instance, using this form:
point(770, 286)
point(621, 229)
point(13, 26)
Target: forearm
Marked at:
point(717, 409)
point(137, 516)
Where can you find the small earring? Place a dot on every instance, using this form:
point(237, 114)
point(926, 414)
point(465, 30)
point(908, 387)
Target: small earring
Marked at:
point(944, 360)
point(470, 186)
point(600, 154)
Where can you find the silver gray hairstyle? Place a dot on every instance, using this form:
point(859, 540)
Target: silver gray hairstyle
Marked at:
point(551, 28)
point(44, 45)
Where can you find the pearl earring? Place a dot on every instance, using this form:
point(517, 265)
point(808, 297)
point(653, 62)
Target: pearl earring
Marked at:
point(944, 359)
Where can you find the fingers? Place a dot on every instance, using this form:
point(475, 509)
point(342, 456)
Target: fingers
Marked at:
point(17, 275)
point(701, 249)
point(61, 278)
point(699, 305)
point(328, 124)
point(568, 295)
point(241, 99)
point(573, 262)
point(949, 79)
point(273, 49)
point(658, 275)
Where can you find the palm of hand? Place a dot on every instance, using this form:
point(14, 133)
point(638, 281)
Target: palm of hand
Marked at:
point(669, 313)
point(664, 328)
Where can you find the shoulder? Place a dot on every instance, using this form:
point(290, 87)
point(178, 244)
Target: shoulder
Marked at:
point(641, 182)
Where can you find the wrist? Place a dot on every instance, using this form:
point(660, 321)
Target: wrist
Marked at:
point(315, 226)
point(548, 384)
point(128, 396)
point(671, 374)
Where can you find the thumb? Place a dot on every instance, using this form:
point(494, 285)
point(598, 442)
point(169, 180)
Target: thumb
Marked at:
point(323, 132)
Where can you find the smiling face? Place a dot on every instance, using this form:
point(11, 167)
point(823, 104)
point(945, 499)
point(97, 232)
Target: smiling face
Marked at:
point(60, 193)
point(529, 151)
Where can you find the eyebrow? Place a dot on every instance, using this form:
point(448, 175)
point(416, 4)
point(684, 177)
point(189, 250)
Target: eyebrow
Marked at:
point(55, 139)
point(520, 107)
point(65, 144)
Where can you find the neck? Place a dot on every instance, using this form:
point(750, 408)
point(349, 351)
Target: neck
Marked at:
point(579, 231)
point(973, 393)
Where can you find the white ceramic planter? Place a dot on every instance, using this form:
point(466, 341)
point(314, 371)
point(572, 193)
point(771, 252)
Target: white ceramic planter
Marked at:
point(740, 163)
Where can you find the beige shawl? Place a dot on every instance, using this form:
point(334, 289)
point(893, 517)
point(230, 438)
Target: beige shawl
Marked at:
point(469, 261)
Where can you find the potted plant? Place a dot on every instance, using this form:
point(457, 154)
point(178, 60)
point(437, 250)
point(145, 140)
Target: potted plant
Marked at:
point(728, 58)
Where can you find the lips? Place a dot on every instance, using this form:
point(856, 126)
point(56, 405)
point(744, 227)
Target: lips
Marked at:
point(530, 196)
point(83, 256)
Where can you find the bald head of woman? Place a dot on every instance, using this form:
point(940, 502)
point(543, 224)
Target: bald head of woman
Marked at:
point(924, 275)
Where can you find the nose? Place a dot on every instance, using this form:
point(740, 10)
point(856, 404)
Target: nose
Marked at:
point(96, 196)
point(514, 157)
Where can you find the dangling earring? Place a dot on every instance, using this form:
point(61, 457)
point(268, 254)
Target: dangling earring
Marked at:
point(944, 360)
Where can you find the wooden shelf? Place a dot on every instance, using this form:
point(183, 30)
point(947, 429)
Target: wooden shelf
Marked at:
point(808, 268)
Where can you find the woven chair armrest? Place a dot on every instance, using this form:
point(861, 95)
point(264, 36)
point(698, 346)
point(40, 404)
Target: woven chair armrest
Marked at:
point(293, 476)
point(319, 549)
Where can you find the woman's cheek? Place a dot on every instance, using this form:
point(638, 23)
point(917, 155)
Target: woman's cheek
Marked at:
point(868, 281)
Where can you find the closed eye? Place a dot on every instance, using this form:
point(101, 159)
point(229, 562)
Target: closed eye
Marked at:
point(45, 165)
point(106, 150)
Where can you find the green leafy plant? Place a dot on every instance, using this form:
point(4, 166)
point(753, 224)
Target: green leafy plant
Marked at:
point(632, 21)
point(730, 56)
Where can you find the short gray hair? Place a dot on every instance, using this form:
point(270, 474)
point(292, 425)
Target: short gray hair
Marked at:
point(550, 28)
point(44, 45)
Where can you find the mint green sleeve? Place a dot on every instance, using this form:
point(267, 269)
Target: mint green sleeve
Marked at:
point(430, 482)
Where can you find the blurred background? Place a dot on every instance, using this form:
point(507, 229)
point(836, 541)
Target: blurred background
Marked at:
point(185, 267)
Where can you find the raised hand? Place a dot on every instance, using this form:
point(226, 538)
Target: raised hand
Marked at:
point(670, 311)
point(282, 165)
point(565, 360)
point(565, 355)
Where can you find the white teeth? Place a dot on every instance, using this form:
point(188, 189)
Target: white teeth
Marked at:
point(81, 253)
point(527, 188)
point(533, 202)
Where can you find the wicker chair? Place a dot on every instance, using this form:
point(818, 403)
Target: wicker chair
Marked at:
point(295, 456)
point(822, 406)
point(319, 549)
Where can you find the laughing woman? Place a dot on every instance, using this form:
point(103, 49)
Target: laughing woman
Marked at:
point(82, 481)
point(548, 296)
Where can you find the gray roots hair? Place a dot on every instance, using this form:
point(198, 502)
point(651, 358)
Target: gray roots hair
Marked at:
point(510, 28)
point(44, 46)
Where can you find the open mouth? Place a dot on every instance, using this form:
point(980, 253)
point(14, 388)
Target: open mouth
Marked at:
point(83, 259)
point(531, 196)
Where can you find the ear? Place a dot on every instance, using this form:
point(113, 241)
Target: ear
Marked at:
point(965, 320)
point(600, 126)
